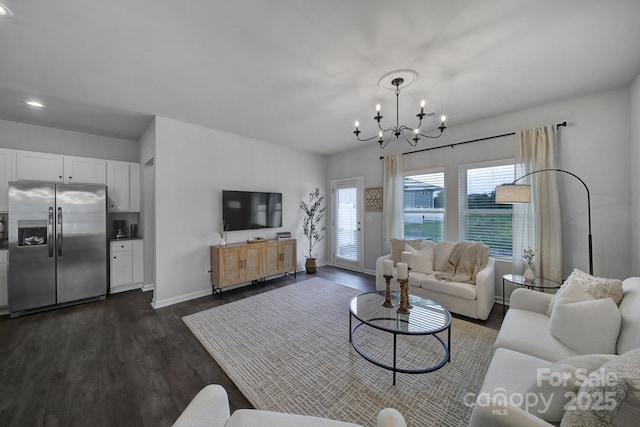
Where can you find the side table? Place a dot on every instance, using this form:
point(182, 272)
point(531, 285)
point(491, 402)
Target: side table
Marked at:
point(540, 283)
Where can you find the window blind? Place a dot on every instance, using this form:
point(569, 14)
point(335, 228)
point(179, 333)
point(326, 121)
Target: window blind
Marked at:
point(481, 219)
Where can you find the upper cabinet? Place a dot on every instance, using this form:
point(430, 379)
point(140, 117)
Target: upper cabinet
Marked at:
point(32, 166)
point(5, 177)
point(82, 170)
point(123, 180)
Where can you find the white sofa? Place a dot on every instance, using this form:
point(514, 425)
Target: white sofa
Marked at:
point(471, 300)
point(210, 408)
point(529, 363)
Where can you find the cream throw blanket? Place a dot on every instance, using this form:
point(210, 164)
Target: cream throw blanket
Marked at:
point(466, 260)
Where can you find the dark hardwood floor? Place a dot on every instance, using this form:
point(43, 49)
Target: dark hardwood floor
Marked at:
point(119, 361)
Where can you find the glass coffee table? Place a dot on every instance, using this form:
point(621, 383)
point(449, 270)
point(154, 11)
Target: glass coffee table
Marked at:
point(427, 317)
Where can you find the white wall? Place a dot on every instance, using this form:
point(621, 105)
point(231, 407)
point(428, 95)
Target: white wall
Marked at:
point(147, 203)
point(193, 165)
point(21, 136)
point(595, 146)
point(635, 176)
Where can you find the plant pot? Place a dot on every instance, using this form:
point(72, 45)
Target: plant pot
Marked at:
point(311, 265)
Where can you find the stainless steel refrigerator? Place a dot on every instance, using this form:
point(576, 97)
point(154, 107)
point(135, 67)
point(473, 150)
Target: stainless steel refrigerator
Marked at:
point(57, 244)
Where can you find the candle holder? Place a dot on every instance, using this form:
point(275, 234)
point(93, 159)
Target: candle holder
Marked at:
point(404, 296)
point(387, 297)
point(409, 306)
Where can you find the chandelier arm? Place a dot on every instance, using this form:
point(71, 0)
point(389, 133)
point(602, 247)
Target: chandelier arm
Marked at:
point(431, 136)
point(411, 142)
point(366, 139)
point(382, 145)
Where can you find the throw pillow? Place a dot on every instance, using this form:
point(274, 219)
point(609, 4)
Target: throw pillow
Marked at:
point(587, 326)
point(597, 287)
point(421, 260)
point(609, 396)
point(554, 385)
point(397, 246)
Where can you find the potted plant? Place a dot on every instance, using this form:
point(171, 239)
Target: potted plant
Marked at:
point(312, 227)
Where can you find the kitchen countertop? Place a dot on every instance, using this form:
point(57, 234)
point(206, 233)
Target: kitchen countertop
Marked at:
point(121, 239)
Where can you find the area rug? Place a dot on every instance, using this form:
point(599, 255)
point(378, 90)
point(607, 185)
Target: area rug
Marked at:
point(288, 350)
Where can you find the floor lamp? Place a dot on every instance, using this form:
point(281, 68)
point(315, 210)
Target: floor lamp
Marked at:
point(521, 193)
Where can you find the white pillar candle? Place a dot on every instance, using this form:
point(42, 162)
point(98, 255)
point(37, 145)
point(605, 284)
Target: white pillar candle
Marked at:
point(403, 271)
point(406, 257)
point(387, 267)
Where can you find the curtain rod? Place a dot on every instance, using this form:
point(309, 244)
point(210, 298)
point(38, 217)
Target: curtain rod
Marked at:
point(563, 124)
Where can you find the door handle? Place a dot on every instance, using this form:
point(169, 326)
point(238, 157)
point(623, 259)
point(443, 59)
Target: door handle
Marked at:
point(50, 233)
point(59, 232)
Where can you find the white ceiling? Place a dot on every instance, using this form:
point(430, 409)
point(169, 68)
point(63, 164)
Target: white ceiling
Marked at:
point(299, 72)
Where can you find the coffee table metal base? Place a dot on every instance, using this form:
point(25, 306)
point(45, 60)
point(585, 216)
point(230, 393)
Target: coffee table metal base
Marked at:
point(394, 368)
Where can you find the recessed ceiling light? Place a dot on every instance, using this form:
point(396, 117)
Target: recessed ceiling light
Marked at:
point(34, 103)
point(5, 11)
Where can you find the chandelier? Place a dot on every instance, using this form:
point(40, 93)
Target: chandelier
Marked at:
point(411, 135)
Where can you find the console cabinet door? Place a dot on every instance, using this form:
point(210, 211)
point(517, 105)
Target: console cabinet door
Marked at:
point(252, 267)
point(230, 266)
point(288, 255)
point(271, 258)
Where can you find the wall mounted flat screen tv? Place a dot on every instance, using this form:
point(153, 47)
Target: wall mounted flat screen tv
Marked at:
point(251, 210)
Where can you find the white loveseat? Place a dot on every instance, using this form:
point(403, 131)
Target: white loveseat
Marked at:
point(471, 300)
point(210, 408)
point(534, 377)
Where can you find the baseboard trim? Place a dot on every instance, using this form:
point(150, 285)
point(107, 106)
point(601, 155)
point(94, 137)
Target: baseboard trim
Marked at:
point(369, 272)
point(181, 298)
point(148, 287)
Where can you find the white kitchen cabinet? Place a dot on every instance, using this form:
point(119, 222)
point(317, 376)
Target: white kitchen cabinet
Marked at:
point(5, 177)
point(4, 282)
point(32, 166)
point(123, 180)
point(83, 170)
point(126, 266)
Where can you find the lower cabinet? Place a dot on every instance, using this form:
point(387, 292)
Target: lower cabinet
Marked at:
point(126, 266)
point(245, 262)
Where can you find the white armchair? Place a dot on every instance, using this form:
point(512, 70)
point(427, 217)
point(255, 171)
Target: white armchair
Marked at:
point(210, 408)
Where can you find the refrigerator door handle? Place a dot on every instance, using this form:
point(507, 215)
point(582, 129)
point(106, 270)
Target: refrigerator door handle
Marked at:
point(59, 232)
point(50, 233)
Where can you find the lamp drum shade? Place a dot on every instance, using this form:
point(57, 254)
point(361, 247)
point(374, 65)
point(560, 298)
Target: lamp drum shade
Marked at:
point(513, 193)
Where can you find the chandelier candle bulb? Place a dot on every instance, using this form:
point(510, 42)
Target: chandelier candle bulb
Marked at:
point(403, 271)
point(387, 267)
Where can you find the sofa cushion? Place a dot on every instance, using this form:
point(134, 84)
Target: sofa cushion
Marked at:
point(609, 396)
point(554, 385)
point(421, 259)
point(528, 332)
point(441, 257)
point(254, 417)
point(397, 247)
point(509, 373)
point(597, 287)
point(587, 326)
point(629, 338)
point(461, 290)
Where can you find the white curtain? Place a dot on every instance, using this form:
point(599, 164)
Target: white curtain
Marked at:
point(537, 225)
point(393, 199)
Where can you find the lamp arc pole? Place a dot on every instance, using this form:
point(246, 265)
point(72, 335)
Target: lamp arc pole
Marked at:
point(588, 205)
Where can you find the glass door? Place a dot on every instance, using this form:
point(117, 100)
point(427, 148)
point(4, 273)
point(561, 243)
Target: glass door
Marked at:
point(347, 223)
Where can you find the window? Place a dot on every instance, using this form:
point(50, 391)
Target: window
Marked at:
point(424, 211)
point(480, 217)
